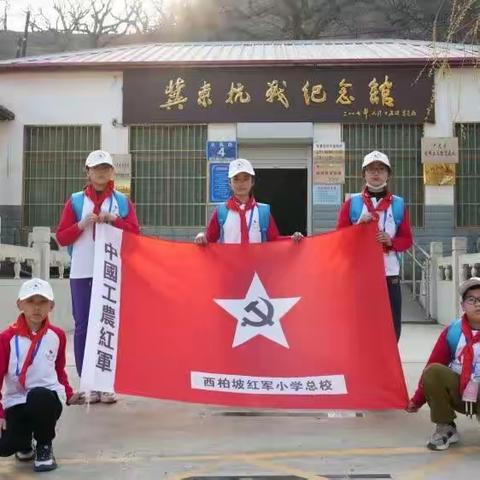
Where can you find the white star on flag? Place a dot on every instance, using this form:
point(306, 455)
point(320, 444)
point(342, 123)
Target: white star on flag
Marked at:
point(258, 314)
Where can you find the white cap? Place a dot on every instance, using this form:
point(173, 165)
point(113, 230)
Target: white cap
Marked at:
point(471, 282)
point(35, 286)
point(240, 165)
point(376, 156)
point(97, 157)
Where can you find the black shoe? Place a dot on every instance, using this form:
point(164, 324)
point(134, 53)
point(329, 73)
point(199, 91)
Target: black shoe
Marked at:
point(44, 459)
point(25, 455)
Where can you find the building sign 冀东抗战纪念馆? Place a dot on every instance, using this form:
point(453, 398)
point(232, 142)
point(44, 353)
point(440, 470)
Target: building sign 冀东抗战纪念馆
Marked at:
point(289, 94)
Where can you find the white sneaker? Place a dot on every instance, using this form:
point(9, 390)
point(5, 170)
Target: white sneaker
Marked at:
point(25, 455)
point(108, 397)
point(444, 435)
point(94, 397)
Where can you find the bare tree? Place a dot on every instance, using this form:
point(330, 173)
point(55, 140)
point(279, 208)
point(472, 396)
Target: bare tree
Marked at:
point(464, 22)
point(407, 16)
point(162, 16)
point(312, 19)
point(283, 19)
point(4, 9)
point(439, 20)
point(186, 20)
point(416, 19)
point(100, 20)
point(73, 23)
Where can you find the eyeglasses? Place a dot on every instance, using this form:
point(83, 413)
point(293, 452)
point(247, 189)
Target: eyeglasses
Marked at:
point(472, 300)
point(376, 169)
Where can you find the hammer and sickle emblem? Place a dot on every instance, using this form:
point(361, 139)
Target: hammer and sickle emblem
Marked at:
point(263, 319)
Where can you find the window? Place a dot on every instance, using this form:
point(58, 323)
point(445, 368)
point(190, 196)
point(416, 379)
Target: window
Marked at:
point(54, 167)
point(467, 190)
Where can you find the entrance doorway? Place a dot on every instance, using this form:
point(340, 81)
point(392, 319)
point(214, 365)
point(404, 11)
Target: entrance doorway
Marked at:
point(285, 189)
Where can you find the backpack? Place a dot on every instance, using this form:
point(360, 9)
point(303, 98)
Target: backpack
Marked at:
point(263, 218)
point(453, 335)
point(78, 198)
point(356, 207)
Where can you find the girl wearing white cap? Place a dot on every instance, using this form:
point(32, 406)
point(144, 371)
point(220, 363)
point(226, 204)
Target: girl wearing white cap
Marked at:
point(376, 203)
point(241, 219)
point(98, 202)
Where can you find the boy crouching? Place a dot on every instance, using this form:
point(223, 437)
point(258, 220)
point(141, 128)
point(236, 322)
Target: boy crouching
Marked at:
point(32, 366)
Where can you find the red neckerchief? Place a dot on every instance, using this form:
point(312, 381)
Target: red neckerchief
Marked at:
point(98, 197)
point(21, 328)
point(235, 205)
point(382, 205)
point(466, 355)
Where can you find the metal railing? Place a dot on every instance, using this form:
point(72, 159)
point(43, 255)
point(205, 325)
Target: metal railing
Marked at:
point(416, 272)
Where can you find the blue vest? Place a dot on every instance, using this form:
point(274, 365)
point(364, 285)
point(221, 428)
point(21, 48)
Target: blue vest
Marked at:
point(356, 207)
point(263, 218)
point(78, 198)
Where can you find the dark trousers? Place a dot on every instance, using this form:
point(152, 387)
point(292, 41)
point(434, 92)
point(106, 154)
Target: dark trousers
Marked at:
point(441, 387)
point(38, 416)
point(81, 289)
point(395, 295)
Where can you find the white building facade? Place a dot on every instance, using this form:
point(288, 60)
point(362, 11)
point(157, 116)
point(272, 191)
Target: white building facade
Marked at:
point(65, 105)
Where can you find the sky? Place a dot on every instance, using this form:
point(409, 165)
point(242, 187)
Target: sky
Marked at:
point(16, 13)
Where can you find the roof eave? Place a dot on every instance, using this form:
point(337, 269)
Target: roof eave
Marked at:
point(43, 66)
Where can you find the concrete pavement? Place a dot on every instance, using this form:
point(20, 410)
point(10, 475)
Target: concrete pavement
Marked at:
point(150, 439)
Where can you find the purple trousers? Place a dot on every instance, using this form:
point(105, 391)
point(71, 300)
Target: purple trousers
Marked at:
point(81, 289)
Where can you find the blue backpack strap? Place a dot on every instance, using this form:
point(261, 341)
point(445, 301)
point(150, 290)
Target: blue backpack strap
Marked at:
point(453, 335)
point(356, 207)
point(77, 200)
point(122, 202)
point(263, 219)
point(222, 212)
point(398, 209)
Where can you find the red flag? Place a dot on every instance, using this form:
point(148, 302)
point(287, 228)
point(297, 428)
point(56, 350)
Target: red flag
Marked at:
point(279, 324)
